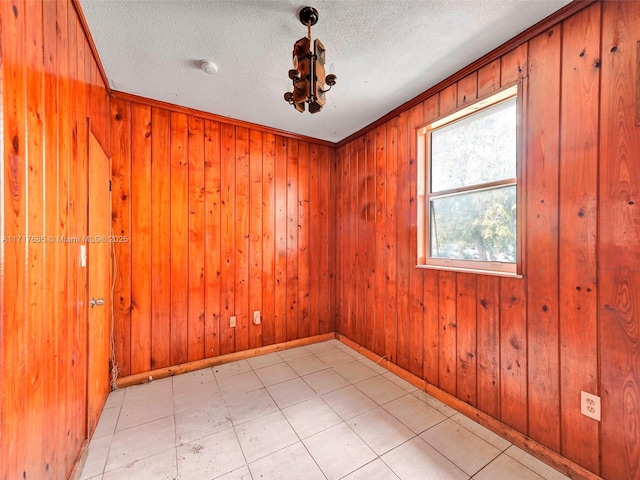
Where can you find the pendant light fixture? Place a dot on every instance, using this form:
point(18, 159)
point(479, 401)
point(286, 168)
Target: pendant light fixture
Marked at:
point(307, 74)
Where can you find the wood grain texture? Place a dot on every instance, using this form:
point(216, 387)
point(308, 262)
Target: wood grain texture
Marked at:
point(541, 165)
point(141, 238)
point(578, 232)
point(618, 259)
point(160, 239)
point(46, 100)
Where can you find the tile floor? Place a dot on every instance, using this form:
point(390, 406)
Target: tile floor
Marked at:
point(321, 411)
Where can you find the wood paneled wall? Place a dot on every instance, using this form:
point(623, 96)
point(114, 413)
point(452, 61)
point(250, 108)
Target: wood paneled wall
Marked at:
point(220, 220)
point(49, 86)
point(520, 350)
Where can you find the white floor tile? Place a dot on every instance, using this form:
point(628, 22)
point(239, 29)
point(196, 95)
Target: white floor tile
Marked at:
point(446, 437)
point(241, 473)
point(275, 374)
point(402, 383)
point(506, 467)
point(354, 371)
point(141, 442)
point(334, 357)
point(349, 402)
point(191, 379)
point(293, 353)
point(291, 392)
point(265, 360)
point(265, 435)
point(310, 417)
point(444, 409)
point(247, 406)
point(417, 460)
point(308, 364)
point(484, 433)
point(534, 464)
point(162, 466)
point(414, 413)
point(137, 410)
point(375, 470)
point(107, 422)
point(210, 457)
point(380, 430)
point(230, 369)
point(338, 451)
point(380, 390)
point(238, 384)
point(198, 423)
point(356, 420)
point(325, 381)
point(96, 457)
point(290, 463)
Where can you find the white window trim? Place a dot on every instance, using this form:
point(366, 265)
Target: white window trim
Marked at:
point(423, 213)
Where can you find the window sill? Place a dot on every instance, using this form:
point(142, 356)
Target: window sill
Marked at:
point(479, 271)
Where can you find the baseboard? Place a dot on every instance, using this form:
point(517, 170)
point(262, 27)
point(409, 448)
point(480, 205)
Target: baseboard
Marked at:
point(548, 456)
point(219, 360)
point(80, 461)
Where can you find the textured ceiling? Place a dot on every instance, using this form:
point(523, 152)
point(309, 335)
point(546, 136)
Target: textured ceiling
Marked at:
point(384, 52)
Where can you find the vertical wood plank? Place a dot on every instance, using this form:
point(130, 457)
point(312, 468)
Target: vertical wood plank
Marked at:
point(292, 239)
point(488, 321)
point(304, 319)
point(212, 246)
point(380, 247)
point(62, 255)
point(448, 99)
point(140, 238)
point(255, 235)
point(448, 332)
point(34, 397)
point(489, 78)
point(359, 223)
point(227, 235)
point(578, 232)
point(121, 208)
point(281, 190)
point(241, 243)
point(160, 238)
point(431, 340)
point(316, 240)
point(196, 209)
point(513, 354)
point(339, 238)
point(404, 261)
point(51, 319)
point(467, 89)
point(466, 369)
point(416, 275)
point(268, 238)
point(14, 333)
point(514, 65)
point(327, 254)
point(368, 214)
point(618, 237)
point(543, 126)
point(179, 258)
point(390, 239)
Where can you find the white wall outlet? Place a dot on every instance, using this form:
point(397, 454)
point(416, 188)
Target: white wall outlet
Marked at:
point(232, 321)
point(256, 317)
point(590, 405)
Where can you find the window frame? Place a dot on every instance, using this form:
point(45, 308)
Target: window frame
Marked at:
point(423, 134)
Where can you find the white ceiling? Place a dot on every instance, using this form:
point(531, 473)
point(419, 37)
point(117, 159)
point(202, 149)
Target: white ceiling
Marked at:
point(384, 52)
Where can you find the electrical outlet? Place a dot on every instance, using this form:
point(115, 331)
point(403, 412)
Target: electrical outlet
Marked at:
point(256, 317)
point(232, 321)
point(590, 405)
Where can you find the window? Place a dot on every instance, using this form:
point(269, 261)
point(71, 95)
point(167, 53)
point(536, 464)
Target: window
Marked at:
point(469, 188)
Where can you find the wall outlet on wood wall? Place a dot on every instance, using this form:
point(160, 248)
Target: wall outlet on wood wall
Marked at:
point(232, 321)
point(590, 405)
